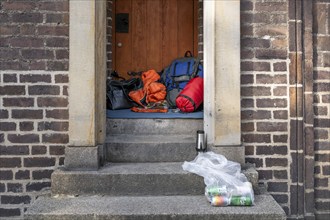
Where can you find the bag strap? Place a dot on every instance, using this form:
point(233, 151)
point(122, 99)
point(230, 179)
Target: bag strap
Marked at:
point(188, 53)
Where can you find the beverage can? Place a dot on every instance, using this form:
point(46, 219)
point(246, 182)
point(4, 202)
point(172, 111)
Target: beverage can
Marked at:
point(216, 191)
point(219, 201)
point(241, 201)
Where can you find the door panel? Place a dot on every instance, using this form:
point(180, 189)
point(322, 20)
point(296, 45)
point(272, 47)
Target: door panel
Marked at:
point(159, 31)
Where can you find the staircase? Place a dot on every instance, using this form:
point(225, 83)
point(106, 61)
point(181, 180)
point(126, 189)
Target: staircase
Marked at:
point(143, 179)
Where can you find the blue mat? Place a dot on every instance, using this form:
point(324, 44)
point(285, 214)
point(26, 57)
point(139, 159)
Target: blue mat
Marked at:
point(127, 113)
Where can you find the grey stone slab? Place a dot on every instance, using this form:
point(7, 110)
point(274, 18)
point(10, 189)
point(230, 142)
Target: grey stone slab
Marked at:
point(233, 153)
point(132, 179)
point(150, 148)
point(154, 126)
point(82, 158)
point(150, 208)
point(129, 179)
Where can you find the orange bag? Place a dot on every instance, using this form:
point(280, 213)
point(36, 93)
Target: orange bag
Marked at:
point(152, 90)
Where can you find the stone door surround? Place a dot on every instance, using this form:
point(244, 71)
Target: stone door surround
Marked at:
point(87, 73)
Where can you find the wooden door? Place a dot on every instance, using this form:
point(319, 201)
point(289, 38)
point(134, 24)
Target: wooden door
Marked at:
point(156, 32)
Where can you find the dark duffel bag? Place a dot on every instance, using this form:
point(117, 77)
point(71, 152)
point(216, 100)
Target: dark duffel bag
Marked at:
point(117, 93)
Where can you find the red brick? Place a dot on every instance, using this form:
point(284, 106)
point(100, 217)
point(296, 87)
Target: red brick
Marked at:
point(38, 149)
point(12, 90)
point(249, 150)
point(271, 79)
point(271, 30)
point(15, 187)
point(280, 138)
point(37, 54)
point(7, 126)
point(26, 126)
point(247, 103)
point(55, 138)
point(277, 187)
point(53, 30)
point(27, 29)
point(39, 162)
point(42, 174)
point(321, 87)
point(24, 138)
point(27, 17)
point(19, 6)
point(9, 30)
point(322, 43)
point(281, 114)
point(9, 53)
point(256, 138)
point(255, 43)
point(271, 103)
point(6, 162)
point(280, 66)
point(44, 90)
point(62, 54)
point(37, 65)
point(14, 150)
point(272, 7)
point(272, 126)
point(3, 113)
point(52, 102)
point(66, 90)
point(28, 114)
point(53, 126)
point(280, 91)
point(4, 17)
point(37, 186)
point(272, 162)
point(247, 127)
point(26, 42)
point(271, 54)
point(33, 78)
point(58, 65)
point(18, 102)
point(56, 150)
point(61, 78)
point(57, 42)
point(255, 66)
point(10, 78)
point(255, 91)
point(57, 114)
point(255, 114)
point(6, 174)
point(54, 6)
point(280, 174)
point(57, 18)
point(22, 174)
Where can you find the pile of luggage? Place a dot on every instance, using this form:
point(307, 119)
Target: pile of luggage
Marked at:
point(179, 85)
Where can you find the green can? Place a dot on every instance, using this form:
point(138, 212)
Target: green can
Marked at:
point(241, 201)
point(216, 191)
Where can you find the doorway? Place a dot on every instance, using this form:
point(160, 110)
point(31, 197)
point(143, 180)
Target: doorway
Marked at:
point(150, 34)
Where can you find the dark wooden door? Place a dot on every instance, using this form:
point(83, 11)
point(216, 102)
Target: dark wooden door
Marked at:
point(149, 34)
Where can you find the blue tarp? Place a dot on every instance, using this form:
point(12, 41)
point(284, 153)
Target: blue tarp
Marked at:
point(127, 113)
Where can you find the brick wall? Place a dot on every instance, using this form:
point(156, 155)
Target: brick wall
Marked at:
point(33, 99)
point(34, 35)
point(264, 93)
point(321, 38)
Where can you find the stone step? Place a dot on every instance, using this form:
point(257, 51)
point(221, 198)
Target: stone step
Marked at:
point(134, 179)
point(154, 126)
point(150, 148)
point(149, 208)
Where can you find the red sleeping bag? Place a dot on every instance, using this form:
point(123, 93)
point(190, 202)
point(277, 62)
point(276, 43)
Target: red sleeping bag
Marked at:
point(191, 97)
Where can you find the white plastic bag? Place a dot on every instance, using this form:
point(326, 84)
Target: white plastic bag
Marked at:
point(225, 184)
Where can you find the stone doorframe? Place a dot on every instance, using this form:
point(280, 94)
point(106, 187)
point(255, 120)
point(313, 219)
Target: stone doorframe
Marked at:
point(87, 74)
